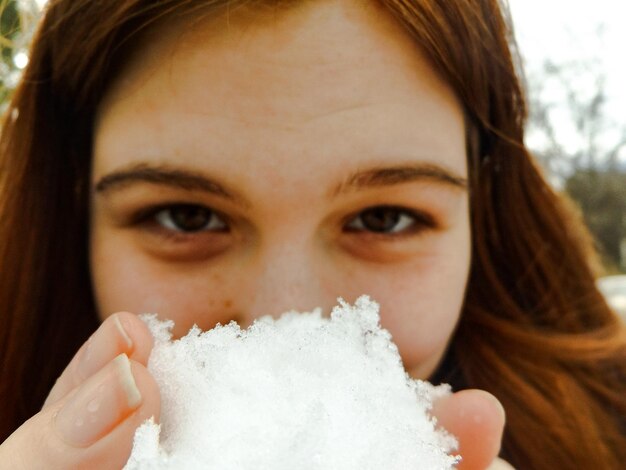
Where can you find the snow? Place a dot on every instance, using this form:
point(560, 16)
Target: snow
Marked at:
point(301, 391)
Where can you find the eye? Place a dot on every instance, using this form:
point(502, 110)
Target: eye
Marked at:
point(389, 220)
point(188, 218)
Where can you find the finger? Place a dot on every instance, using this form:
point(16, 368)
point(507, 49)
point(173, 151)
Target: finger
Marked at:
point(92, 427)
point(477, 419)
point(120, 333)
point(500, 464)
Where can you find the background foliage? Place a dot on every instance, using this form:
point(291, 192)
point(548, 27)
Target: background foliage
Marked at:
point(582, 149)
point(9, 30)
point(18, 19)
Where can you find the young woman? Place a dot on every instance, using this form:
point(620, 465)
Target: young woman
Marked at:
point(220, 160)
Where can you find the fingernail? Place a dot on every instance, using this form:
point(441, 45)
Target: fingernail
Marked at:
point(100, 403)
point(110, 338)
point(122, 331)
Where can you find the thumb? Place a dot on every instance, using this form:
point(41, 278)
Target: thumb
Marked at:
point(477, 419)
point(92, 427)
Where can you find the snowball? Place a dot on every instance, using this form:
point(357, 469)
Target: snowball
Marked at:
point(297, 392)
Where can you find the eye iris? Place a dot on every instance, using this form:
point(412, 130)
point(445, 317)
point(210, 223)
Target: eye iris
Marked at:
point(380, 219)
point(190, 218)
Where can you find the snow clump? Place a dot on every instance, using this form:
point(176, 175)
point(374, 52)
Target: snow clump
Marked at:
point(298, 392)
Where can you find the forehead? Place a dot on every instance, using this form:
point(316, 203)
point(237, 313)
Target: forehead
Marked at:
point(316, 68)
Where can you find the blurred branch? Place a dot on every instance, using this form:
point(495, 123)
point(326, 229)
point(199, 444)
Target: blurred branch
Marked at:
point(574, 137)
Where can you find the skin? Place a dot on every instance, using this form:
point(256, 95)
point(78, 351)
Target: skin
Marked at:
point(247, 105)
point(280, 114)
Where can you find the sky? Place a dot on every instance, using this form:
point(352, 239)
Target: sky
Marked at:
point(577, 31)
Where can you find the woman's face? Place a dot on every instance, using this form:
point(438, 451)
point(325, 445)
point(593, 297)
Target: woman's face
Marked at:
point(248, 167)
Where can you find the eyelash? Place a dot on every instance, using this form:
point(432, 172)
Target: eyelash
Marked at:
point(148, 217)
point(421, 222)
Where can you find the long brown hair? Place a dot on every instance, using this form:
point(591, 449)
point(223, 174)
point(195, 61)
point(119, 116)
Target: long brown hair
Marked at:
point(534, 331)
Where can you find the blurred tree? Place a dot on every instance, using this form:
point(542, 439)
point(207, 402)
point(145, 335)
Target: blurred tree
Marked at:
point(582, 149)
point(601, 195)
point(18, 19)
point(9, 30)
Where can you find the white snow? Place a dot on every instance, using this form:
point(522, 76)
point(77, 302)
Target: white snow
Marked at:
point(297, 392)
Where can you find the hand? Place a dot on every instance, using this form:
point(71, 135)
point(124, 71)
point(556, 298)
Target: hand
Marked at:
point(476, 418)
point(91, 413)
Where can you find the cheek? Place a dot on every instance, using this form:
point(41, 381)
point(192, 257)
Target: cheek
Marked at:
point(125, 279)
point(422, 329)
point(420, 305)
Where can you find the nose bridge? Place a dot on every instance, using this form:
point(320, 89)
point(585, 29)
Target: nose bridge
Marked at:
point(288, 278)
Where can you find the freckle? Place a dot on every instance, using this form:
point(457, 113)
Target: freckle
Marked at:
point(228, 303)
point(238, 318)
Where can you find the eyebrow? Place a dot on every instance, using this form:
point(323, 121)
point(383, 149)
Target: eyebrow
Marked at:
point(180, 178)
point(166, 175)
point(389, 176)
